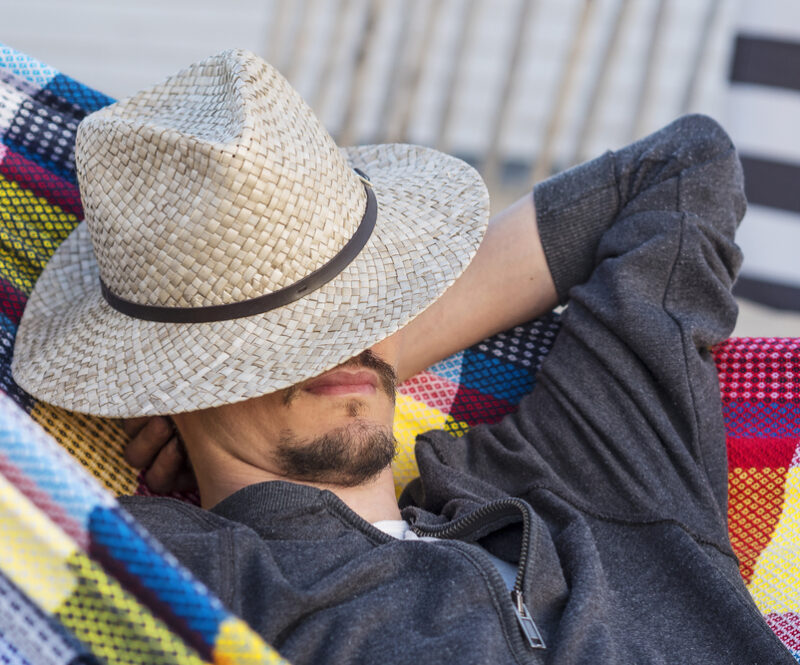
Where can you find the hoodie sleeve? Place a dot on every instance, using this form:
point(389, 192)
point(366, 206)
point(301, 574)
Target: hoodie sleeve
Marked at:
point(626, 419)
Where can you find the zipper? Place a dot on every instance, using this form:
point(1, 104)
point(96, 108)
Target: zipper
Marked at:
point(526, 622)
point(482, 517)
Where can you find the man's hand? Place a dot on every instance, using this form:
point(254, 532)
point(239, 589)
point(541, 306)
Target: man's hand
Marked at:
point(156, 446)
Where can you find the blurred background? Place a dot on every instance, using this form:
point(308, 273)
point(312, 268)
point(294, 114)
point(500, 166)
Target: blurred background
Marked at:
point(519, 88)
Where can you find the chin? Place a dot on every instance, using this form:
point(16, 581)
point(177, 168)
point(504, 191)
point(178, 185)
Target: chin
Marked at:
point(349, 455)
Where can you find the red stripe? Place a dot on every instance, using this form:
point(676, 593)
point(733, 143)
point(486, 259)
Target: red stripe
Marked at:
point(786, 625)
point(42, 182)
point(12, 301)
point(760, 452)
point(475, 407)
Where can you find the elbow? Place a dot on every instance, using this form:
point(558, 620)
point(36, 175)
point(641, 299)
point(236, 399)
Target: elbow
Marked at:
point(712, 181)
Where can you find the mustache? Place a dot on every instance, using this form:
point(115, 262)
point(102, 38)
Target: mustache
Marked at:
point(387, 377)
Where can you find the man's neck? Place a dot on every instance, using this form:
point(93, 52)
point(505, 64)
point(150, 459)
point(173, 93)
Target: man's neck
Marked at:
point(218, 478)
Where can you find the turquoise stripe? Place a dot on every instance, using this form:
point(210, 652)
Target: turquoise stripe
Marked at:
point(449, 368)
point(26, 67)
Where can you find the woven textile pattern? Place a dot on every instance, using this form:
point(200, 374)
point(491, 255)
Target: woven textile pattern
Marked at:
point(74, 566)
point(83, 579)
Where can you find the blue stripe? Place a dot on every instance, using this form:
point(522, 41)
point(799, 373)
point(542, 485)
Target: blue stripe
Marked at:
point(76, 93)
point(495, 377)
point(26, 67)
point(148, 563)
point(449, 368)
point(762, 419)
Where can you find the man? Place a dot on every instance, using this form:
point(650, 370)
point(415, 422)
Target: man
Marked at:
point(248, 281)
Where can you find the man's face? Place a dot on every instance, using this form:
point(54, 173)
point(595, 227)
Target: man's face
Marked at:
point(338, 426)
point(335, 428)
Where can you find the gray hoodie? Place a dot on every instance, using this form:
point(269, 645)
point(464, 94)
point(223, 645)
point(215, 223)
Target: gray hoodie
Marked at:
point(607, 489)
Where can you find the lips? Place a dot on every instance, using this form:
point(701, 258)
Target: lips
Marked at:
point(344, 382)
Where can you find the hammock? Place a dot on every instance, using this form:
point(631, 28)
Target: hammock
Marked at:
point(81, 582)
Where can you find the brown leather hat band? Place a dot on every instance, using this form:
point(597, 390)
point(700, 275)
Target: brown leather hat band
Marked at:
point(260, 304)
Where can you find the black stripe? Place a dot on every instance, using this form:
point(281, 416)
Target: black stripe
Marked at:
point(772, 183)
point(771, 62)
point(774, 294)
point(260, 304)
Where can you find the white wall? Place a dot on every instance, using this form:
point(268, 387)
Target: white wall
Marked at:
point(120, 46)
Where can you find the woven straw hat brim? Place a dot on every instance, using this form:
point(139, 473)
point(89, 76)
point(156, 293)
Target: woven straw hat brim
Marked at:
point(73, 350)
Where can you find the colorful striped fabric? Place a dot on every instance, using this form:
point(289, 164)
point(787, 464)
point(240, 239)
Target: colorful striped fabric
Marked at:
point(760, 383)
point(80, 582)
point(79, 576)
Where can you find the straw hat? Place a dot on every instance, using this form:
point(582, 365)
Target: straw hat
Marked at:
point(230, 249)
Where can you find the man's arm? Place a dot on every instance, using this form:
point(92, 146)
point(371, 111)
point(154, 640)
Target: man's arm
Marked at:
point(507, 283)
point(625, 420)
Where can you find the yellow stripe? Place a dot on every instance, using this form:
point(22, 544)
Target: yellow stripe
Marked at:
point(237, 644)
point(49, 567)
point(411, 418)
point(34, 551)
point(31, 229)
point(114, 626)
point(97, 443)
point(775, 585)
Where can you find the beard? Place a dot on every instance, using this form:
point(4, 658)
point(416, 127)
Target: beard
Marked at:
point(346, 456)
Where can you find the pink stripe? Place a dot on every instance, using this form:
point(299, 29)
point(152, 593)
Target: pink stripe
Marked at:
point(43, 502)
point(430, 389)
point(759, 368)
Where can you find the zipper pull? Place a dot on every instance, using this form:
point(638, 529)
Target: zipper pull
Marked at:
point(526, 622)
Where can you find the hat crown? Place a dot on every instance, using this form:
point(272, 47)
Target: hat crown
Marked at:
point(216, 186)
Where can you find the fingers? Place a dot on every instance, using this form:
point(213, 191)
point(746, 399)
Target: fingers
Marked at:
point(155, 446)
point(170, 470)
point(186, 480)
point(132, 426)
point(149, 436)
